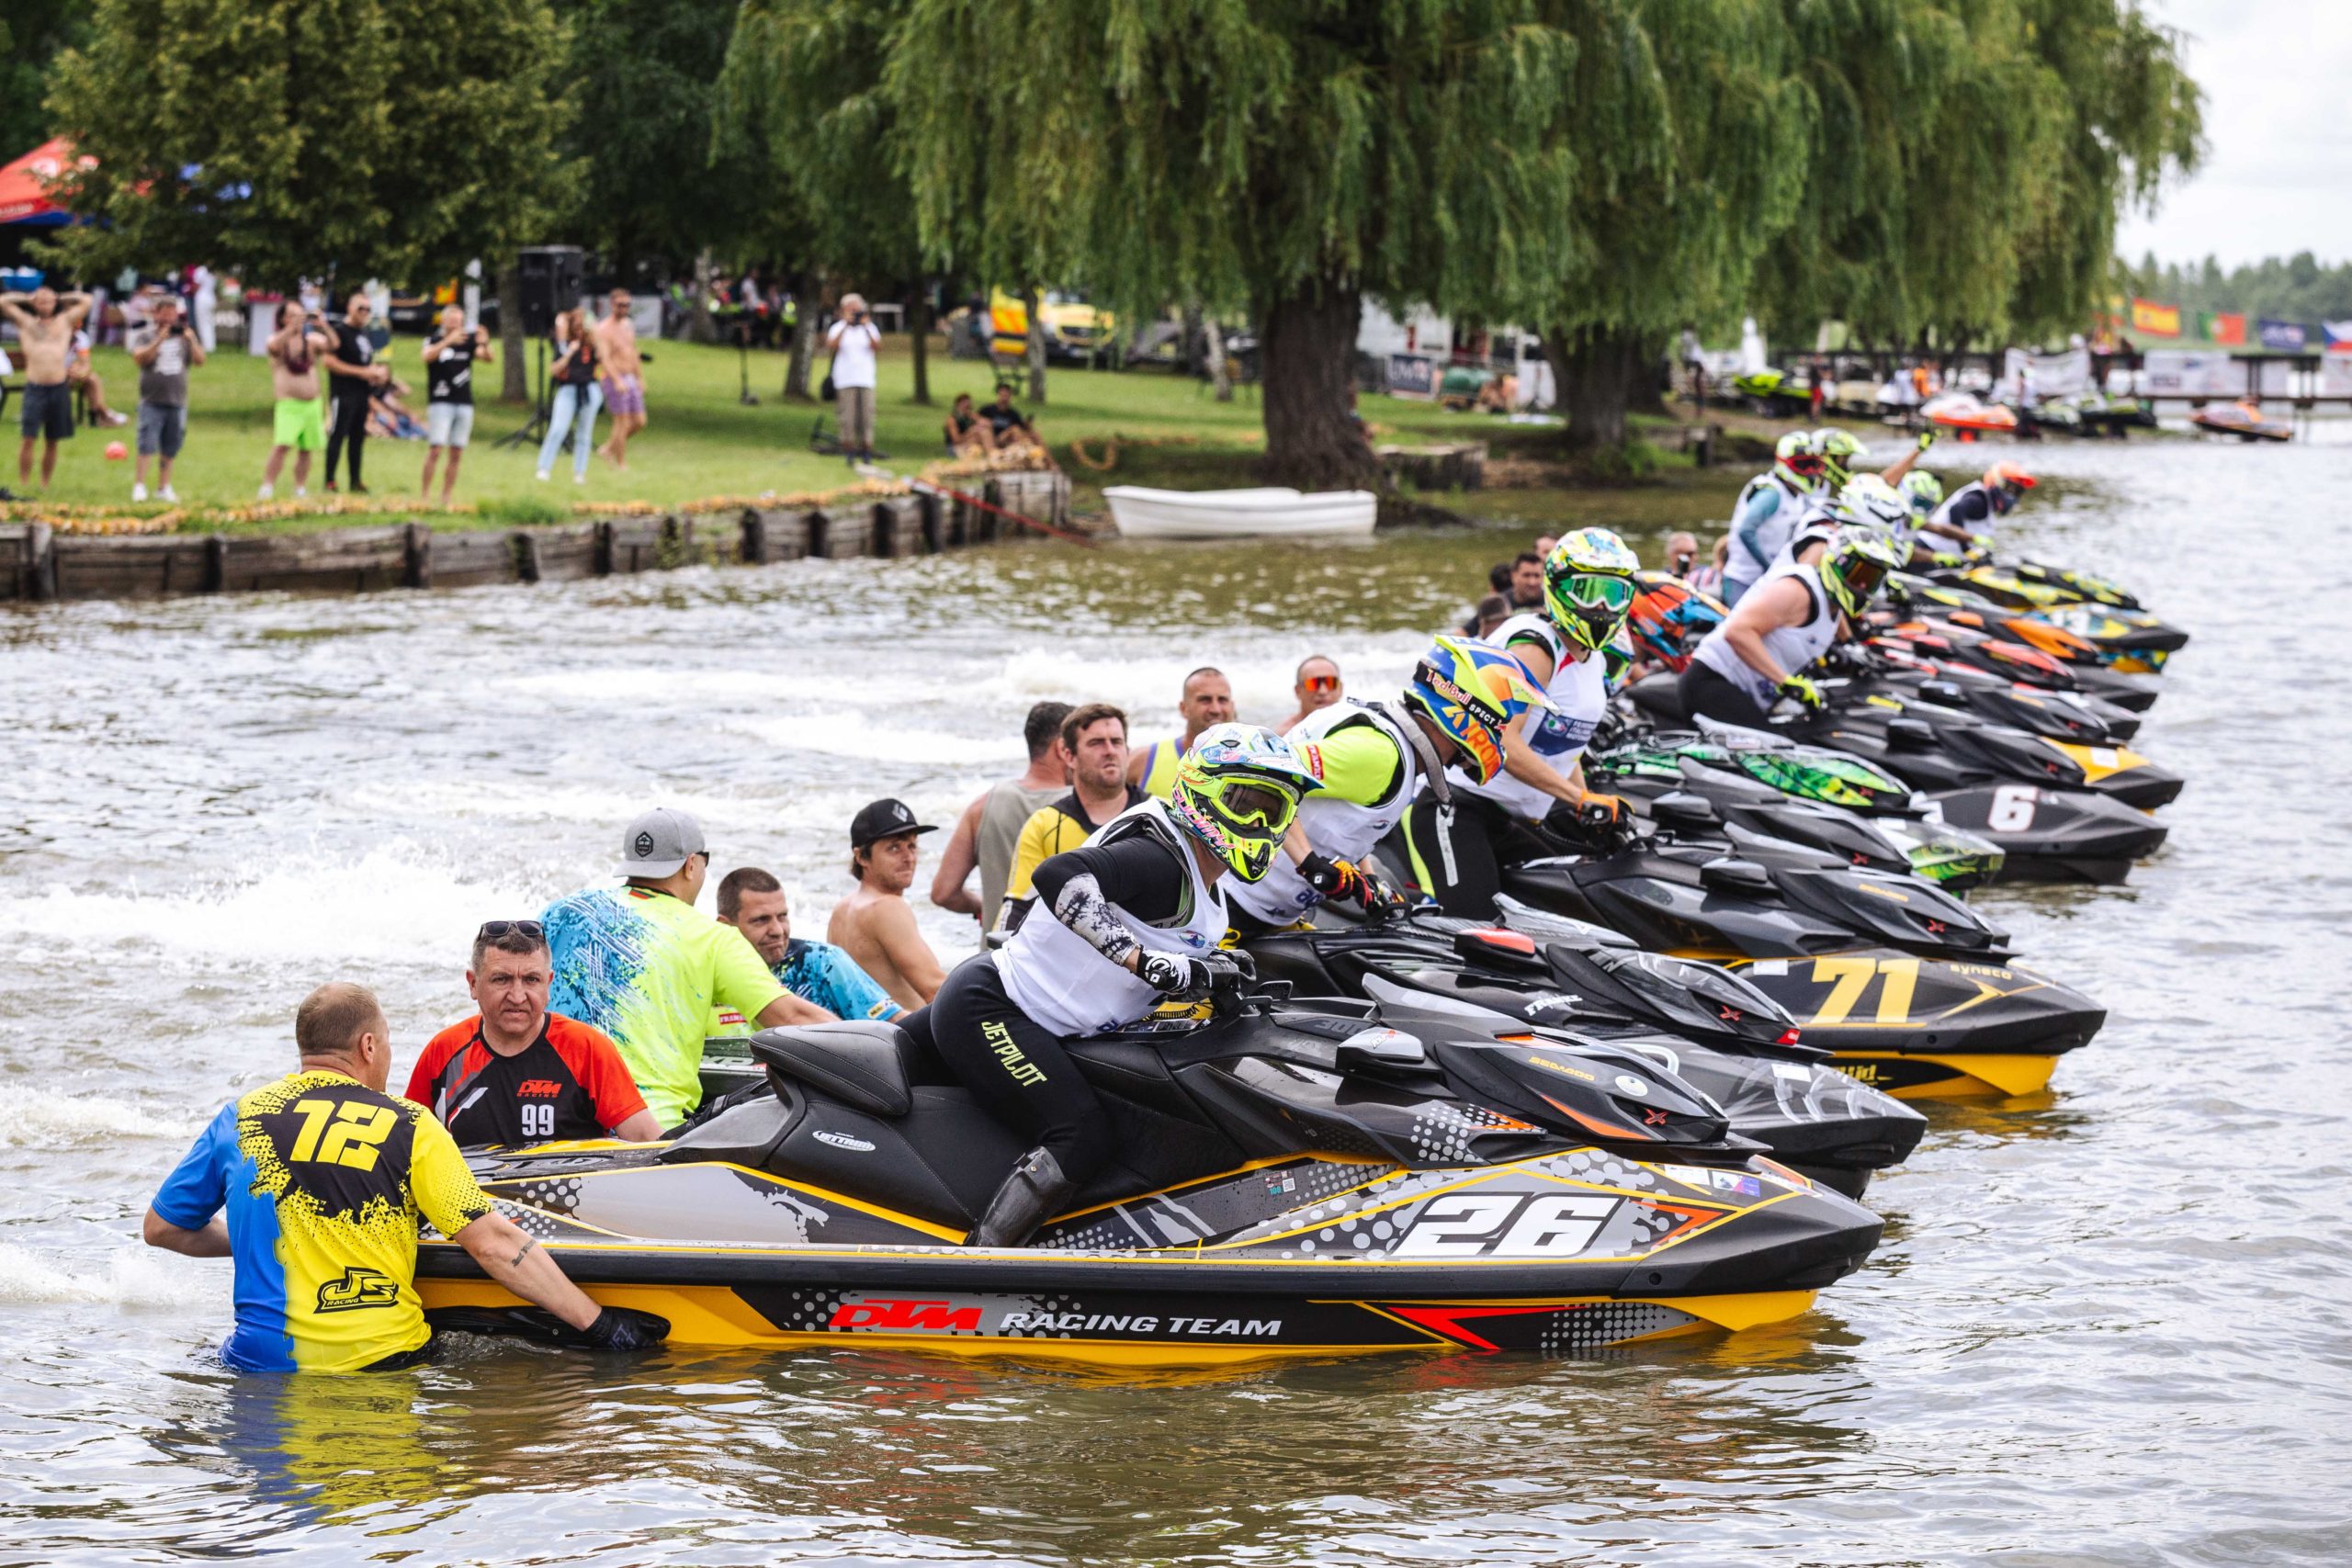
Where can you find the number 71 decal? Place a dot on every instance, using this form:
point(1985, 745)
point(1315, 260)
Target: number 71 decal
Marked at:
point(1848, 978)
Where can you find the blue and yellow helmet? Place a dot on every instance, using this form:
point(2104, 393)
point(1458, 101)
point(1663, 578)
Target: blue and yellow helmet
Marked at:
point(1236, 789)
point(1471, 691)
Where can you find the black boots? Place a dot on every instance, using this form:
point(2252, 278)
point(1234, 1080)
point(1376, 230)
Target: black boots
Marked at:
point(1035, 1191)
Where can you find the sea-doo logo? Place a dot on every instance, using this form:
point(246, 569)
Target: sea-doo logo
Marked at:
point(893, 1316)
point(359, 1290)
point(843, 1141)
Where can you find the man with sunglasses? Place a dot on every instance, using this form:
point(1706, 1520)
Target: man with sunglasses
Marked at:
point(515, 1073)
point(1491, 820)
point(641, 963)
point(1317, 687)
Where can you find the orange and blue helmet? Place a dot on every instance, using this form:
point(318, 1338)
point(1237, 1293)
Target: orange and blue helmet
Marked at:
point(1471, 691)
point(1670, 620)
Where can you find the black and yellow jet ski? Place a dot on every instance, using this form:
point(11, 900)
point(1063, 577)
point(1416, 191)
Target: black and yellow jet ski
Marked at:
point(1295, 1178)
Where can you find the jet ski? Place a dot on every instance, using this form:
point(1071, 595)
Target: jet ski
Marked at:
point(1887, 664)
point(2243, 420)
point(1293, 1179)
point(1806, 796)
point(1961, 641)
point(1720, 1035)
point(2034, 835)
point(1915, 1028)
point(1938, 747)
point(2127, 637)
point(1969, 414)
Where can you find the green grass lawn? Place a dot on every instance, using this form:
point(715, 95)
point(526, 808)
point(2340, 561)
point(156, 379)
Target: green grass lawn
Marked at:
point(701, 442)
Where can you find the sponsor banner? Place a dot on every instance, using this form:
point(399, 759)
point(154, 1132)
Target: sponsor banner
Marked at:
point(1412, 376)
point(2289, 337)
point(2224, 327)
point(2182, 373)
point(2152, 320)
point(2066, 375)
point(2336, 376)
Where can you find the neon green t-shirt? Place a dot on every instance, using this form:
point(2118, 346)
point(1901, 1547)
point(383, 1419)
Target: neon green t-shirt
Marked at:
point(1360, 764)
point(650, 971)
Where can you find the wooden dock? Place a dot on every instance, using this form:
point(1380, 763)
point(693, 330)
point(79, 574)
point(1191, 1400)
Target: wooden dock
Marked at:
point(39, 563)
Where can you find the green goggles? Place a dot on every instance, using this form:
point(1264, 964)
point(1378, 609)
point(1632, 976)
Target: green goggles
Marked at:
point(1251, 803)
point(1614, 595)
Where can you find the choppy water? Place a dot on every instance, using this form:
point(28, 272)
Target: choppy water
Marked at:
point(2109, 1324)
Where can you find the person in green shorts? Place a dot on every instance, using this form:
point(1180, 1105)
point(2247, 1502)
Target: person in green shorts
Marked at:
point(642, 964)
point(295, 350)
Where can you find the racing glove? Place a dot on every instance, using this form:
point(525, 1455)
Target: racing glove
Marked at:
point(1335, 879)
point(1599, 811)
point(1928, 438)
point(1801, 689)
point(619, 1328)
point(1948, 560)
point(1174, 976)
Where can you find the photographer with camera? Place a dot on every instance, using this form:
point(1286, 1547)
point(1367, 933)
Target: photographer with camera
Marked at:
point(855, 341)
point(354, 377)
point(165, 349)
point(449, 362)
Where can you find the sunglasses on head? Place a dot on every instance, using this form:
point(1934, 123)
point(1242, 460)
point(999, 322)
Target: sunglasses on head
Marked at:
point(530, 930)
point(1321, 684)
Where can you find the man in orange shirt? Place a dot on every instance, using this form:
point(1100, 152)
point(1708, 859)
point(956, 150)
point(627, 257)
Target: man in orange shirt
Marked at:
point(517, 1073)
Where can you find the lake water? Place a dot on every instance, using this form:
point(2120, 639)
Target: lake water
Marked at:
point(2111, 1324)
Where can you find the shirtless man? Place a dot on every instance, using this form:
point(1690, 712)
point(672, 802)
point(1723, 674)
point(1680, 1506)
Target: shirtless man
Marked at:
point(295, 350)
point(624, 376)
point(875, 925)
point(47, 331)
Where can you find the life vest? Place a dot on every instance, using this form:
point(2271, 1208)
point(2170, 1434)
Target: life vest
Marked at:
point(1578, 689)
point(1336, 827)
point(1058, 978)
point(1792, 647)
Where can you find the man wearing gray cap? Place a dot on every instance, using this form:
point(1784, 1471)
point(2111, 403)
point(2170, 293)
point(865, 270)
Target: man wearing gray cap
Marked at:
point(642, 964)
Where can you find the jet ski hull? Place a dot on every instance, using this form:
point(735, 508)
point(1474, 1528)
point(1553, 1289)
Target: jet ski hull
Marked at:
point(1379, 1260)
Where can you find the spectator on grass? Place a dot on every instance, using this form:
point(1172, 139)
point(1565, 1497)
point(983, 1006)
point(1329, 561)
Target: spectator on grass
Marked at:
point(577, 396)
point(352, 376)
point(1009, 428)
point(624, 376)
point(295, 350)
point(450, 361)
point(855, 342)
point(85, 375)
point(165, 349)
point(968, 433)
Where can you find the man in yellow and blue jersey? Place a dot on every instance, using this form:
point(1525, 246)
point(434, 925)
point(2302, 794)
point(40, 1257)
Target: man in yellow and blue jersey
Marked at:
point(324, 1177)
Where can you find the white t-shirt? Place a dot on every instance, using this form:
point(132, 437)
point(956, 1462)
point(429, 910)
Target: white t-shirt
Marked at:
point(854, 349)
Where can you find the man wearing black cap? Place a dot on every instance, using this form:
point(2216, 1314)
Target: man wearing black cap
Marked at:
point(875, 925)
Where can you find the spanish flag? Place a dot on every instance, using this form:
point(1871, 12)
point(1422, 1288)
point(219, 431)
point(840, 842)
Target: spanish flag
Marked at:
point(2152, 320)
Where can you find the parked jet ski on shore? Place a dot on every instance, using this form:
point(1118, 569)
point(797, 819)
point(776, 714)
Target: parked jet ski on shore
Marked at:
point(1293, 1179)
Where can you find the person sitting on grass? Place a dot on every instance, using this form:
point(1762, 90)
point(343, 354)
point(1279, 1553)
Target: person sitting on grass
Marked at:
point(83, 373)
point(968, 436)
point(1009, 428)
point(389, 417)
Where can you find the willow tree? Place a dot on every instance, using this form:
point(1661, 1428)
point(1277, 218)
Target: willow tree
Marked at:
point(1695, 140)
point(806, 88)
point(1291, 156)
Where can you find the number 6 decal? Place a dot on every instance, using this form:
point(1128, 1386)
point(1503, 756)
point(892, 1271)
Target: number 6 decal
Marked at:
point(2012, 809)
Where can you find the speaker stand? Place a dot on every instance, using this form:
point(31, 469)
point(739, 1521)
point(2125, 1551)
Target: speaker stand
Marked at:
point(743, 363)
point(536, 430)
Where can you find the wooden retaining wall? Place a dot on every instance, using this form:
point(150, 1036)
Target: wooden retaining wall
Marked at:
point(38, 563)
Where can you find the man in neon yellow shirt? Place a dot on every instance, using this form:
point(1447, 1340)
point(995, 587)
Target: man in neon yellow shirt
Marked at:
point(642, 964)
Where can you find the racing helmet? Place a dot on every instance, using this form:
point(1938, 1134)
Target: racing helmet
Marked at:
point(1589, 586)
point(2004, 483)
point(1471, 691)
point(1873, 502)
point(1670, 618)
point(1923, 491)
point(1838, 452)
point(1857, 563)
point(1237, 790)
point(1796, 459)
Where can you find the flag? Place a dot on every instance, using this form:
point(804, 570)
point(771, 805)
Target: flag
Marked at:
point(2223, 327)
point(2152, 320)
point(2287, 337)
point(2340, 334)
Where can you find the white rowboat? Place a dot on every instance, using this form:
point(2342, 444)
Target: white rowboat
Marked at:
point(1268, 513)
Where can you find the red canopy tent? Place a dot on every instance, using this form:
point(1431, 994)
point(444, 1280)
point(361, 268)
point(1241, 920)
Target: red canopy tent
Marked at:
point(24, 185)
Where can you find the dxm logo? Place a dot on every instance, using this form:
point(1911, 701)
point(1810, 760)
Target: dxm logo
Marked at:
point(890, 1315)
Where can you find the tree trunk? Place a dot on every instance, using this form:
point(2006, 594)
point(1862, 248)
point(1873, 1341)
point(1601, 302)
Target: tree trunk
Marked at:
point(1600, 373)
point(700, 327)
point(919, 323)
point(804, 336)
point(511, 342)
point(1220, 368)
point(1030, 300)
point(1306, 352)
point(1192, 350)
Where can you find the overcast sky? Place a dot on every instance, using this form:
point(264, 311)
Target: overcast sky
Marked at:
point(2277, 172)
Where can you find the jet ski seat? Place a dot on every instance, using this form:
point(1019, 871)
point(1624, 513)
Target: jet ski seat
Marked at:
point(1659, 695)
point(868, 1064)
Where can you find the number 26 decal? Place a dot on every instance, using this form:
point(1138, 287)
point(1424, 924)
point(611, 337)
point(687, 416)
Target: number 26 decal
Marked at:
point(1472, 1224)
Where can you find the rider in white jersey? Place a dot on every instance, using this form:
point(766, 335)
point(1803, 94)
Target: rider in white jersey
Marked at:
point(1762, 648)
point(1126, 922)
point(1767, 511)
point(1372, 759)
point(1460, 847)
